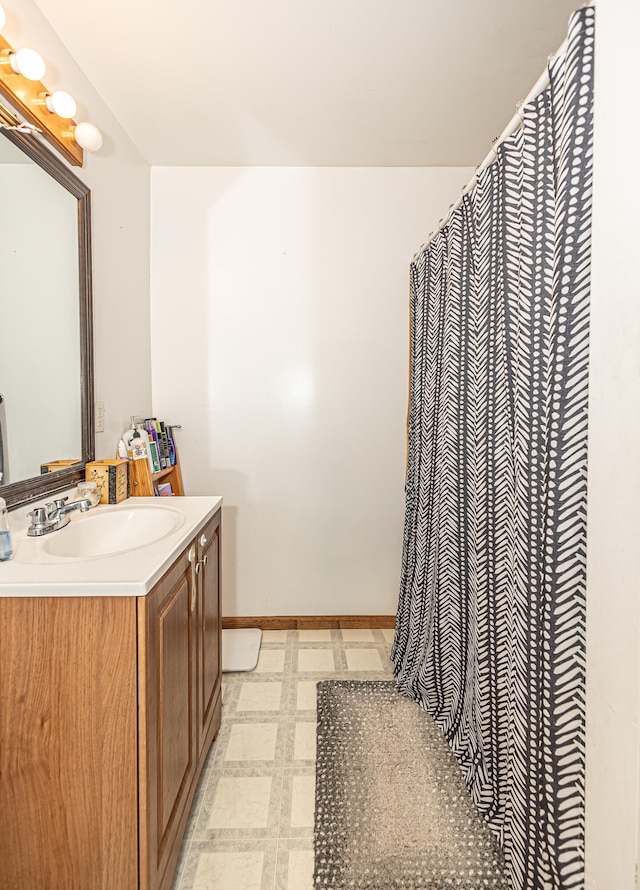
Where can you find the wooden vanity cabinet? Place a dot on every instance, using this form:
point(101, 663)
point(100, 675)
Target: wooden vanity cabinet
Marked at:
point(108, 706)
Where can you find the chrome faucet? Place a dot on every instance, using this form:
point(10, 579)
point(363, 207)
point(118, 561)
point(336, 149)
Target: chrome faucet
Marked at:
point(54, 515)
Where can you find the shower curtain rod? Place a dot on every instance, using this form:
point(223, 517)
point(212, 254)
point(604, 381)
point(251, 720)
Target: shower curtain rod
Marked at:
point(512, 127)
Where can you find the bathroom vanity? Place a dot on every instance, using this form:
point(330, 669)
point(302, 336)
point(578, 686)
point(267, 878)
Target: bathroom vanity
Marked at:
point(110, 697)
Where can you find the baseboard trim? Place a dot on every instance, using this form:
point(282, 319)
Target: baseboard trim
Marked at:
point(310, 622)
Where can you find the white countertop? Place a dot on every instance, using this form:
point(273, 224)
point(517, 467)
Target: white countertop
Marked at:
point(33, 572)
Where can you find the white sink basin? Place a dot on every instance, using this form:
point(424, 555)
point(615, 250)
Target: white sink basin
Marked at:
point(106, 533)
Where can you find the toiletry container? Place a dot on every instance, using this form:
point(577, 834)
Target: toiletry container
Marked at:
point(138, 447)
point(6, 545)
point(138, 432)
point(128, 436)
point(144, 435)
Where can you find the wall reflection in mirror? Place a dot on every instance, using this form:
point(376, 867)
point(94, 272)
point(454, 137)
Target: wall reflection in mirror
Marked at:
point(40, 412)
point(45, 307)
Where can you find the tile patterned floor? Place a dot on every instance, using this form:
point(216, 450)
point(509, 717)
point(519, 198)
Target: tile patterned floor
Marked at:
point(251, 824)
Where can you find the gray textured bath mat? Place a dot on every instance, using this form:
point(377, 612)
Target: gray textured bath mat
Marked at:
point(392, 810)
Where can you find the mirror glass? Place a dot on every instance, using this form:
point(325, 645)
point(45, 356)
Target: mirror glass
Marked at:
point(46, 425)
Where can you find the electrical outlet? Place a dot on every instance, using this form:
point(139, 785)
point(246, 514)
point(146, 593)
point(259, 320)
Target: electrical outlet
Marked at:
point(99, 417)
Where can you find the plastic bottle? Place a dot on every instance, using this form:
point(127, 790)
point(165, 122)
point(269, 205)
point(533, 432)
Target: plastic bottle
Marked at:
point(144, 435)
point(138, 430)
point(128, 436)
point(138, 447)
point(6, 544)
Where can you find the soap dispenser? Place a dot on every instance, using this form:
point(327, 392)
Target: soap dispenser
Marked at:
point(138, 448)
point(128, 436)
point(6, 545)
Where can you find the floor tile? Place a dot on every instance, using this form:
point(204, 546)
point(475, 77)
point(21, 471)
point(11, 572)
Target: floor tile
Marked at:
point(270, 661)
point(314, 636)
point(316, 660)
point(357, 636)
point(251, 741)
point(306, 695)
point(388, 634)
point(295, 870)
point(363, 660)
point(297, 803)
point(221, 871)
point(300, 874)
point(304, 742)
point(256, 696)
point(295, 864)
point(274, 636)
point(230, 865)
point(241, 802)
point(303, 801)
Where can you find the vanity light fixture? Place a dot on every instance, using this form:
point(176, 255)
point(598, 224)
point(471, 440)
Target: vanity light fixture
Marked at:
point(87, 136)
point(28, 63)
point(48, 113)
point(60, 103)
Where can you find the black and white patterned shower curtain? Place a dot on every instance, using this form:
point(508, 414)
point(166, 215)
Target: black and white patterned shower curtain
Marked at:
point(490, 634)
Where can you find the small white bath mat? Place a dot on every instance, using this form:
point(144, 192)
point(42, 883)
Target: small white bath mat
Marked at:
point(240, 648)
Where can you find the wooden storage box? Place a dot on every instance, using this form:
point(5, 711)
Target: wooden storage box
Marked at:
point(112, 478)
point(54, 465)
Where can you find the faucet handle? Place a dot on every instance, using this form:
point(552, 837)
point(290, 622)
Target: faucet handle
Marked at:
point(39, 517)
point(60, 502)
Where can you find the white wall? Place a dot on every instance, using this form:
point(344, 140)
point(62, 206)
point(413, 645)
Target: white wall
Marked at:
point(119, 182)
point(279, 342)
point(613, 582)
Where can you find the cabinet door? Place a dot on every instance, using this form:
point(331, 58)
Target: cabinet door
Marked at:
point(208, 633)
point(68, 764)
point(167, 686)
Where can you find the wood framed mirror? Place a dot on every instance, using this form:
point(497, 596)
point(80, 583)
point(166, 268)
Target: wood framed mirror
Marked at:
point(46, 322)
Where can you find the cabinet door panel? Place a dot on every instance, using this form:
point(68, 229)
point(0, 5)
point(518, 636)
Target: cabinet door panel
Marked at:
point(209, 632)
point(167, 728)
point(68, 766)
point(175, 722)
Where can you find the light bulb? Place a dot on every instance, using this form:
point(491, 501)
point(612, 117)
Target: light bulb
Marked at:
point(3, 17)
point(29, 63)
point(87, 136)
point(61, 103)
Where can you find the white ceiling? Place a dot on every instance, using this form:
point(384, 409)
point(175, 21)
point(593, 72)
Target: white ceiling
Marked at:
point(327, 83)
